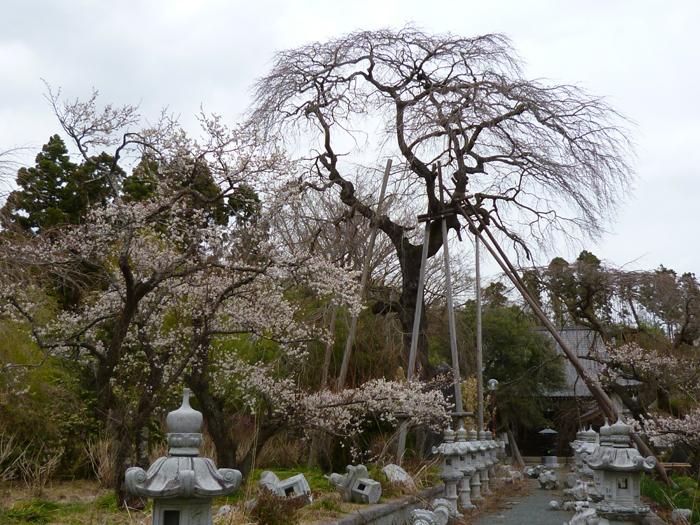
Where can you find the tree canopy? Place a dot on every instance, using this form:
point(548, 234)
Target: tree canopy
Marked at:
point(524, 156)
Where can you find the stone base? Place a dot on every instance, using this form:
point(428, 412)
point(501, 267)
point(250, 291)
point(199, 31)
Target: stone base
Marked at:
point(624, 514)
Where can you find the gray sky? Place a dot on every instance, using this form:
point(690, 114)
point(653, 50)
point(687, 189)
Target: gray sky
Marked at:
point(642, 55)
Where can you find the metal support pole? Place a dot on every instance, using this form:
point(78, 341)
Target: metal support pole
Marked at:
point(479, 349)
point(342, 376)
point(401, 446)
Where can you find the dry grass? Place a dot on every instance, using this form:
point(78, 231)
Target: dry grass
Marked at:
point(101, 453)
point(283, 452)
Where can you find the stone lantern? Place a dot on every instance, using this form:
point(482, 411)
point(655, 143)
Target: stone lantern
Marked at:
point(356, 485)
point(450, 474)
point(183, 483)
point(478, 464)
point(584, 445)
point(493, 454)
point(485, 462)
point(548, 439)
point(576, 442)
point(465, 450)
point(618, 468)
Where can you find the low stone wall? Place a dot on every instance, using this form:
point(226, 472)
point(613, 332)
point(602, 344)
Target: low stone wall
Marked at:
point(391, 513)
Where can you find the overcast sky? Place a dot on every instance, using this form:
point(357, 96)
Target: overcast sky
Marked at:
point(644, 56)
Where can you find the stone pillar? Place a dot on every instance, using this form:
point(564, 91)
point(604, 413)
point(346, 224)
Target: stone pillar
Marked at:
point(493, 458)
point(485, 464)
point(475, 482)
point(465, 450)
point(451, 475)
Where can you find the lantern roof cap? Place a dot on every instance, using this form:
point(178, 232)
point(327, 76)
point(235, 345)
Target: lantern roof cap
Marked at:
point(182, 473)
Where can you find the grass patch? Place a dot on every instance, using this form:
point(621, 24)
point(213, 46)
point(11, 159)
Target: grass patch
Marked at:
point(683, 494)
point(32, 511)
point(326, 505)
point(44, 512)
point(314, 476)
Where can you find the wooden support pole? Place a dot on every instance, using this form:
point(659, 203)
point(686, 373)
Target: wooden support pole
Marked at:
point(415, 333)
point(602, 399)
point(342, 376)
point(457, 379)
point(479, 347)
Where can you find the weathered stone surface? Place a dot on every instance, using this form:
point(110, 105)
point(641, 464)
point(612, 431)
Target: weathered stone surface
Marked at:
point(617, 467)
point(548, 480)
point(366, 491)
point(681, 516)
point(395, 474)
point(439, 515)
point(182, 483)
point(391, 513)
point(587, 516)
point(570, 480)
point(582, 491)
point(533, 472)
point(356, 485)
point(551, 462)
point(293, 487)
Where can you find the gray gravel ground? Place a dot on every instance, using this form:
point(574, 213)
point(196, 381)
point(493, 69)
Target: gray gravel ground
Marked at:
point(532, 509)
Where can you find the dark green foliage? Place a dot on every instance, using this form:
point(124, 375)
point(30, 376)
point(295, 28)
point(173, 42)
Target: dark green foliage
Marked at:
point(524, 363)
point(580, 292)
point(47, 409)
point(517, 355)
point(244, 204)
point(142, 182)
point(57, 191)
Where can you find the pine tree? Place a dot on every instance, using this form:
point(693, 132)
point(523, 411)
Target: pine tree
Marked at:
point(57, 191)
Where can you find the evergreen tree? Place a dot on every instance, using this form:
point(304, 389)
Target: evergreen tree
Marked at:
point(57, 191)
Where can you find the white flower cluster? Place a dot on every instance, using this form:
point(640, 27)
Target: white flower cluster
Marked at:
point(666, 368)
point(665, 431)
point(380, 400)
point(343, 414)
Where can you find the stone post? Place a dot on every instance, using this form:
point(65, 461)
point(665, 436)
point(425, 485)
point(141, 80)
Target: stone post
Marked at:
point(485, 463)
point(465, 449)
point(475, 482)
